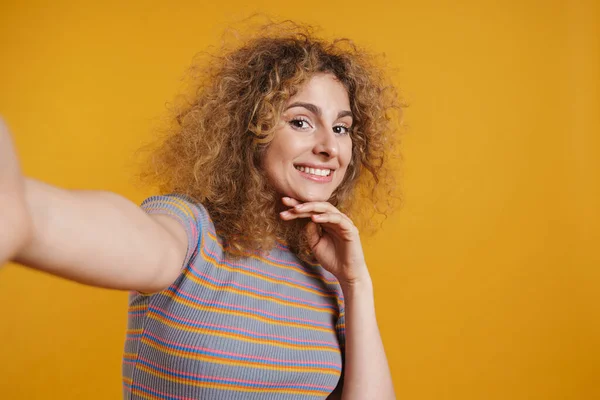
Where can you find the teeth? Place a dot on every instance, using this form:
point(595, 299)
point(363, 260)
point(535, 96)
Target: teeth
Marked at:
point(314, 171)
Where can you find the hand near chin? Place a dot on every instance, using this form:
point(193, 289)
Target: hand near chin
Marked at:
point(336, 245)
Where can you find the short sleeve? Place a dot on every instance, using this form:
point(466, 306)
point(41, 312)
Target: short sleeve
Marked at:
point(188, 213)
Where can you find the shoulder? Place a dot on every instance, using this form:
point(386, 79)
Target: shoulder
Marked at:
point(184, 218)
point(180, 205)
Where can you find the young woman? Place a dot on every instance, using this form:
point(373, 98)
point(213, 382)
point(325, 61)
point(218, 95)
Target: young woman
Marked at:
point(247, 276)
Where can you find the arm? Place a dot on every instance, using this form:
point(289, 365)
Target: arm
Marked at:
point(338, 249)
point(96, 238)
point(366, 371)
point(101, 239)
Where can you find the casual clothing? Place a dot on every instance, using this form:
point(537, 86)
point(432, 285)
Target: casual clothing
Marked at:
point(257, 327)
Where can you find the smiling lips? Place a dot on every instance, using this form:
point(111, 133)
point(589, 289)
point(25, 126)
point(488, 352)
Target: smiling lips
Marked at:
point(322, 175)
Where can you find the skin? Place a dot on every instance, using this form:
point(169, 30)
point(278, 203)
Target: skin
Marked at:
point(319, 134)
point(131, 250)
point(314, 132)
point(14, 217)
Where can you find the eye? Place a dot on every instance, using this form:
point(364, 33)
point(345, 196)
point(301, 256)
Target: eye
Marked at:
point(300, 124)
point(341, 130)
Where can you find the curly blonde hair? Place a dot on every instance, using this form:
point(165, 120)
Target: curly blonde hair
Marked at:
point(212, 151)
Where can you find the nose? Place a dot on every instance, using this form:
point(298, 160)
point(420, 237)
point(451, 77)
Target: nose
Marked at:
point(326, 143)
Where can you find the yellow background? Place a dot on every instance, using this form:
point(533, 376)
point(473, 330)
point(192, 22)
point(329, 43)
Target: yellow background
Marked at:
point(487, 279)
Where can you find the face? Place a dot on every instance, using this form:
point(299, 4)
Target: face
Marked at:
point(311, 148)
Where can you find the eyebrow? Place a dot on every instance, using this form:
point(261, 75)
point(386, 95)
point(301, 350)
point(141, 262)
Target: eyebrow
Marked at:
point(316, 110)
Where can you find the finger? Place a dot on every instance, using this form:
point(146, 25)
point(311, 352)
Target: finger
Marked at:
point(317, 207)
point(290, 202)
point(291, 214)
point(336, 221)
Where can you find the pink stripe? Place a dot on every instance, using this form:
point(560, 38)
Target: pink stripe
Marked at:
point(180, 372)
point(237, 307)
point(239, 354)
point(296, 299)
point(294, 265)
point(189, 321)
point(261, 272)
point(291, 264)
point(159, 392)
point(281, 246)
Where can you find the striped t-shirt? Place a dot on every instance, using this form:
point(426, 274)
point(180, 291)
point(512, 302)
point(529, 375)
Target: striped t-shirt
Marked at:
point(258, 327)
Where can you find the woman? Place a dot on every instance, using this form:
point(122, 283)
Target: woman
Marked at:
point(248, 280)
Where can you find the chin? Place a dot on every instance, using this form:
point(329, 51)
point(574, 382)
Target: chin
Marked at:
point(308, 197)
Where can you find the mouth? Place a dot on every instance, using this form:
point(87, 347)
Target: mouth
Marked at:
point(317, 172)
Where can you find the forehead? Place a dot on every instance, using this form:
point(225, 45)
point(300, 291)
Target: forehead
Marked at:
point(323, 89)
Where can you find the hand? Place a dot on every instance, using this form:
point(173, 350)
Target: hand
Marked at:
point(336, 246)
point(15, 222)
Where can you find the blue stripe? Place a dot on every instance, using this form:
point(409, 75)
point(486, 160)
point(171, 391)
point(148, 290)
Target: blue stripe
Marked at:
point(274, 295)
point(238, 358)
point(240, 332)
point(281, 279)
point(295, 264)
point(263, 386)
point(239, 308)
point(153, 393)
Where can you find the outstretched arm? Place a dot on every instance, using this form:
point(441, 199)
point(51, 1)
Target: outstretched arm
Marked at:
point(93, 237)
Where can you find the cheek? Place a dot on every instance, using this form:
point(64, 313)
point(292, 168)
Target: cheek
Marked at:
point(273, 163)
point(275, 152)
point(347, 153)
point(283, 146)
point(346, 159)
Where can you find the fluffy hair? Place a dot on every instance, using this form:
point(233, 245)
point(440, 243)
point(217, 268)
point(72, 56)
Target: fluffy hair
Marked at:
point(212, 151)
